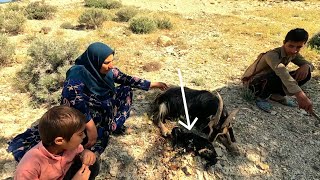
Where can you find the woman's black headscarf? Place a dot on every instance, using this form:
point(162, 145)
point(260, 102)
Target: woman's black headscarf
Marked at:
point(87, 69)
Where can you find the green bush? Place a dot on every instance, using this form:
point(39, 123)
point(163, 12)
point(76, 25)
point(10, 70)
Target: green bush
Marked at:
point(106, 4)
point(67, 25)
point(7, 50)
point(12, 22)
point(40, 10)
point(92, 18)
point(164, 23)
point(247, 94)
point(44, 73)
point(124, 15)
point(142, 25)
point(314, 42)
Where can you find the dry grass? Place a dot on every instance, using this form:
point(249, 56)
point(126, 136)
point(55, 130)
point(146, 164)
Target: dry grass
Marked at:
point(211, 49)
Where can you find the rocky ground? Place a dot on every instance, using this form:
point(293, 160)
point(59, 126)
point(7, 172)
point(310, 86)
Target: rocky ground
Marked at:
point(281, 145)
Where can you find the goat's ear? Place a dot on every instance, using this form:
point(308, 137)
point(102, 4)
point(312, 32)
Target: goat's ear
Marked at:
point(230, 118)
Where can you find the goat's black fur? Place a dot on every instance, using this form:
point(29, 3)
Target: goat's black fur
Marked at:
point(191, 142)
point(201, 104)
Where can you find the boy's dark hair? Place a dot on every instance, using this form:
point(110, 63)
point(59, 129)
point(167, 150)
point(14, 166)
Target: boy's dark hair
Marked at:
point(60, 121)
point(297, 35)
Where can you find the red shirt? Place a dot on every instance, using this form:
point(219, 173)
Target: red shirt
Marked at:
point(38, 163)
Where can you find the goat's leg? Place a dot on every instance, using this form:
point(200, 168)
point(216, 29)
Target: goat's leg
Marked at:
point(164, 130)
point(230, 146)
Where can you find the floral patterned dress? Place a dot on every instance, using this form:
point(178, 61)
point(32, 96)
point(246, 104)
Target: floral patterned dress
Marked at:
point(108, 112)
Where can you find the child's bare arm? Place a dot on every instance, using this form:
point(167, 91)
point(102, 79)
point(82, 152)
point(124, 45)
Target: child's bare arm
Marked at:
point(88, 157)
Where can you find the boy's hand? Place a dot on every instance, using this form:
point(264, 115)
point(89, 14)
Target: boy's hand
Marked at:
point(91, 133)
point(83, 173)
point(304, 102)
point(302, 72)
point(88, 157)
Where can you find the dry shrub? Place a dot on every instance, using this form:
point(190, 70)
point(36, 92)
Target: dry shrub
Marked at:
point(314, 42)
point(142, 25)
point(44, 73)
point(12, 22)
point(151, 66)
point(92, 18)
point(124, 15)
point(67, 25)
point(40, 10)
point(7, 50)
point(164, 23)
point(105, 4)
point(247, 94)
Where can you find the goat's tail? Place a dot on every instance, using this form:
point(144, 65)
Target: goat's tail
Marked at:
point(163, 111)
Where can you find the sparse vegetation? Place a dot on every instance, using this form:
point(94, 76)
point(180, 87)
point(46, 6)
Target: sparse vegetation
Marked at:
point(106, 4)
point(66, 25)
point(164, 23)
point(124, 15)
point(247, 94)
point(314, 42)
point(142, 25)
point(6, 50)
point(92, 18)
point(151, 66)
point(12, 22)
point(45, 30)
point(198, 81)
point(40, 10)
point(212, 45)
point(44, 73)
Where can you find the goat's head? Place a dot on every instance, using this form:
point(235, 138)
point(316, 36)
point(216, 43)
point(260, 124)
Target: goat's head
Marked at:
point(218, 128)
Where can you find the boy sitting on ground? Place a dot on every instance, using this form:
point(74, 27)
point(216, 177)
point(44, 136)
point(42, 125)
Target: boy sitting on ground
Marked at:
point(59, 154)
point(269, 78)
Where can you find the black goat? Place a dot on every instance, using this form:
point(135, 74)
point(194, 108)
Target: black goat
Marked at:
point(190, 142)
point(213, 118)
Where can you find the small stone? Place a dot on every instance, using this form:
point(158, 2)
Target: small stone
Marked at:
point(285, 116)
point(164, 41)
point(263, 166)
point(186, 170)
point(303, 112)
point(113, 170)
point(218, 151)
point(273, 112)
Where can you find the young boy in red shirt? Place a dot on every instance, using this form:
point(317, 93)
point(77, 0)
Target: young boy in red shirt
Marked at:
point(59, 154)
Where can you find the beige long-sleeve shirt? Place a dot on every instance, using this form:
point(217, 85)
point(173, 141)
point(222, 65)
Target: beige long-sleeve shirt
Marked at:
point(276, 60)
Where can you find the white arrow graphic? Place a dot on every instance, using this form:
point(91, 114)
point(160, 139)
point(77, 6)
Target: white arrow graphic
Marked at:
point(188, 125)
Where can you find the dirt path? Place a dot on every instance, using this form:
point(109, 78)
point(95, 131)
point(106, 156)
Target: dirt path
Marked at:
point(281, 145)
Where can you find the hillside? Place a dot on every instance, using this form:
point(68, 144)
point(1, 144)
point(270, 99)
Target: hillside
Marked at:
point(213, 43)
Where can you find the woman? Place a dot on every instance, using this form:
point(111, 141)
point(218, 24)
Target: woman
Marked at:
point(90, 88)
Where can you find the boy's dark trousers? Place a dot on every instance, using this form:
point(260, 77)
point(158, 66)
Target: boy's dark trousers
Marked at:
point(95, 168)
point(270, 83)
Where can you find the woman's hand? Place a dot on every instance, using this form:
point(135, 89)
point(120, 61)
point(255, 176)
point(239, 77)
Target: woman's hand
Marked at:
point(160, 85)
point(88, 157)
point(91, 133)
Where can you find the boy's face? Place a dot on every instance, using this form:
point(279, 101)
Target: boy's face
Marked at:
point(292, 48)
point(75, 140)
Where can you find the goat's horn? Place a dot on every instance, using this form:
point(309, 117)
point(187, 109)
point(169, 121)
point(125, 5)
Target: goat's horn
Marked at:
point(230, 118)
point(219, 111)
point(214, 122)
